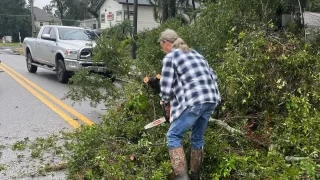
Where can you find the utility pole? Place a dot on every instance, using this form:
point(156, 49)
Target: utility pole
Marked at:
point(32, 18)
point(128, 10)
point(302, 20)
point(135, 24)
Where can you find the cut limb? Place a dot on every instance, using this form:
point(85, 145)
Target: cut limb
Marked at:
point(236, 131)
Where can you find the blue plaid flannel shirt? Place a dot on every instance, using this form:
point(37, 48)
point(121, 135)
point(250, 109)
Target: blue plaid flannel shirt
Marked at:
point(187, 80)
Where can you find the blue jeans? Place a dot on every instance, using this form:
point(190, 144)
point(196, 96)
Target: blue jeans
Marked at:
point(195, 117)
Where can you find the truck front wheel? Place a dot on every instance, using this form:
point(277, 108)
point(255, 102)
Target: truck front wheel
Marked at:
point(62, 74)
point(31, 68)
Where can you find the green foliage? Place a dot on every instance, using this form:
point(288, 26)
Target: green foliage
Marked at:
point(274, 77)
point(149, 54)
point(40, 145)
point(270, 77)
point(10, 25)
point(113, 48)
point(19, 145)
point(3, 167)
point(96, 87)
point(123, 150)
point(269, 82)
point(312, 5)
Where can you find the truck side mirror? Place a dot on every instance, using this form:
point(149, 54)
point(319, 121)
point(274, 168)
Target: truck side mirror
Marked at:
point(48, 37)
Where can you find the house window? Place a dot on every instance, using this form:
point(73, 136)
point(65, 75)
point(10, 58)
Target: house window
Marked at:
point(94, 26)
point(41, 23)
point(119, 16)
point(126, 15)
point(103, 18)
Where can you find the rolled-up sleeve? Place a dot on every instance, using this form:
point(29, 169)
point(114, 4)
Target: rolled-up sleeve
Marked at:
point(166, 80)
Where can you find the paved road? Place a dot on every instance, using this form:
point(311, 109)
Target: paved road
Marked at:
point(31, 106)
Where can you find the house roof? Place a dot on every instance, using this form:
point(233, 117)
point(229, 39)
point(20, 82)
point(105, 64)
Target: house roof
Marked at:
point(311, 19)
point(100, 4)
point(41, 15)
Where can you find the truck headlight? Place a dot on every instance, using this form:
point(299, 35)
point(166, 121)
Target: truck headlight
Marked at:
point(72, 54)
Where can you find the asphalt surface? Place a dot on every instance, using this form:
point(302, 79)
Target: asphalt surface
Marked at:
point(23, 115)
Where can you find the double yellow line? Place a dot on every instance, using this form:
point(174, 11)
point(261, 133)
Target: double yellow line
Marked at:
point(27, 84)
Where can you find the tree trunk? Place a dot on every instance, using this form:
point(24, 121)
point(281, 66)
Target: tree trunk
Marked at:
point(193, 5)
point(165, 12)
point(135, 28)
point(61, 10)
point(172, 8)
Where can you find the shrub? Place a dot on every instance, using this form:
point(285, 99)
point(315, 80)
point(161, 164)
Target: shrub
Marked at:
point(269, 83)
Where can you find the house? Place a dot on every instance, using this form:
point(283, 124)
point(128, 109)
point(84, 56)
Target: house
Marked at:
point(42, 18)
point(311, 22)
point(113, 12)
point(89, 23)
point(311, 19)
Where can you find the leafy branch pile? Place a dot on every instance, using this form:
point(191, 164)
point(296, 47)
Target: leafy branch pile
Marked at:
point(269, 82)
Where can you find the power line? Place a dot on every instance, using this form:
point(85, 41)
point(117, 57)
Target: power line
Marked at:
point(70, 20)
point(12, 15)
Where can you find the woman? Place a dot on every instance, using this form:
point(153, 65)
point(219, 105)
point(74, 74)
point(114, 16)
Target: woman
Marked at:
point(189, 84)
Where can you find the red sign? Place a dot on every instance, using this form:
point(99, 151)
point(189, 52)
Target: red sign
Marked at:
point(110, 16)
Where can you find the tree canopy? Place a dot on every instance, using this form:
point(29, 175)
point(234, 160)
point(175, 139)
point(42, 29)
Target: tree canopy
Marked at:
point(267, 125)
point(12, 22)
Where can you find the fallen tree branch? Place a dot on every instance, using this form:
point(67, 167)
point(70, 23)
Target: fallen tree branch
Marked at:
point(293, 158)
point(268, 147)
point(226, 127)
point(236, 131)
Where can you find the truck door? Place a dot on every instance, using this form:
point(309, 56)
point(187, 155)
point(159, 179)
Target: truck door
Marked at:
point(40, 47)
point(50, 47)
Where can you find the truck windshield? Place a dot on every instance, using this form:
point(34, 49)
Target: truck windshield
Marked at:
point(76, 34)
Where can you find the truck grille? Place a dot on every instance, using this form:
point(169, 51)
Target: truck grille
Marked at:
point(86, 54)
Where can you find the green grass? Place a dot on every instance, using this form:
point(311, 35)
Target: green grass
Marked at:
point(12, 45)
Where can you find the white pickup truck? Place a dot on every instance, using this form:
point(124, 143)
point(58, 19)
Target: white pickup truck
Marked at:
point(63, 49)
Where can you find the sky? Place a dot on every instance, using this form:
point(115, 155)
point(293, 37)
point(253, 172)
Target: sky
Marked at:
point(41, 3)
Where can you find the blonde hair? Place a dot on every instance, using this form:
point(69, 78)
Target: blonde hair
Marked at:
point(172, 37)
point(180, 44)
point(168, 35)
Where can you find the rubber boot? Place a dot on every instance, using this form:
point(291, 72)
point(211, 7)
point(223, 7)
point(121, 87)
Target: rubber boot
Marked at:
point(179, 163)
point(196, 160)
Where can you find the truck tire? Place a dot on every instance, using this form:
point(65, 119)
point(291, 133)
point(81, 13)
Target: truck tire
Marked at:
point(31, 68)
point(62, 74)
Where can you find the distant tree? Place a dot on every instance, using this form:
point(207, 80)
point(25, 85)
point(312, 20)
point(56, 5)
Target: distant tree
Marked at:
point(70, 11)
point(165, 9)
point(312, 5)
point(48, 9)
point(76, 11)
point(61, 6)
point(92, 7)
point(11, 25)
